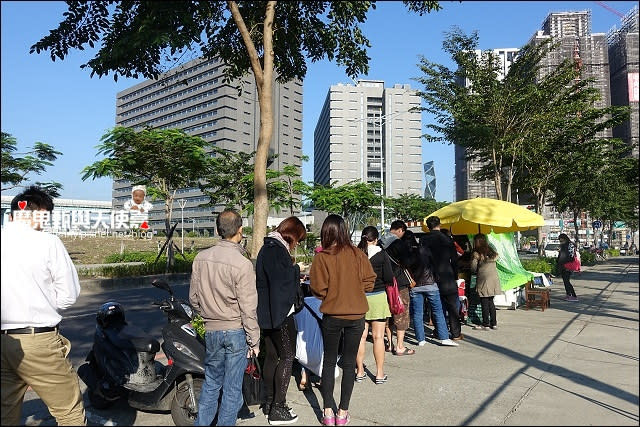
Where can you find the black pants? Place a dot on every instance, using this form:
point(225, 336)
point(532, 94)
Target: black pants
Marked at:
point(280, 346)
point(568, 287)
point(332, 329)
point(488, 311)
point(450, 306)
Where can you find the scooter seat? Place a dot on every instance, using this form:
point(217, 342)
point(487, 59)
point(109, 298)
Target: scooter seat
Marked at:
point(139, 338)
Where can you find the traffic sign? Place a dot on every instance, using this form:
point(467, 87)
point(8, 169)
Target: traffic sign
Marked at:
point(596, 224)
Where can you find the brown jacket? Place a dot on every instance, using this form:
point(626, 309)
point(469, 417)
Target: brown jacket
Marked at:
point(223, 290)
point(487, 280)
point(340, 281)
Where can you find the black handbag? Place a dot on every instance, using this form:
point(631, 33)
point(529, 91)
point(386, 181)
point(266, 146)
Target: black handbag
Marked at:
point(253, 383)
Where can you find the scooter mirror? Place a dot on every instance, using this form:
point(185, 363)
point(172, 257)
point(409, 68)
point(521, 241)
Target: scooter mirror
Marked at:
point(162, 285)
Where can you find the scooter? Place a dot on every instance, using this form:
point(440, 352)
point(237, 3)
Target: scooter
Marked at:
point(122, 362)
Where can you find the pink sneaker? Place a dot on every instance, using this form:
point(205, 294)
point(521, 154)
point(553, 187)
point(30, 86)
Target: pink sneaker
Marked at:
point(342, 421)
point(328, 420)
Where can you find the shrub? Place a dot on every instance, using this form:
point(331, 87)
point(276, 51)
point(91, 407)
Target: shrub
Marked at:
point(613, 252)
point(193, 234)
point(247, 231)
point(587, 258)
point(180, 265)
point(539, 265)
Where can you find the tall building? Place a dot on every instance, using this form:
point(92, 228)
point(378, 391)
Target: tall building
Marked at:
point(466, 186)
point(194, 97)
point(589, 51)
point(430, 180)
point(623, 64)
point(370, 133)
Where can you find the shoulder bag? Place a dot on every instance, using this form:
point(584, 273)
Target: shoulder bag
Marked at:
point(393, 296)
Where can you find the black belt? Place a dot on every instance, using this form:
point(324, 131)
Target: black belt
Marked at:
point(30, 330)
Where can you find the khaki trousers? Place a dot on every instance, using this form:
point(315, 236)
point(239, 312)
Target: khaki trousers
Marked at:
point(40, 361)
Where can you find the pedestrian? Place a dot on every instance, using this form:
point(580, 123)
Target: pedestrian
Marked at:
point(378, 311)
point(427, 289)
point(223, 292)
point(399, 251)
point(445, 261)
point(340, 275)
point(278, 283)
point(483, 263)
point(566, 253)
point(39, 281)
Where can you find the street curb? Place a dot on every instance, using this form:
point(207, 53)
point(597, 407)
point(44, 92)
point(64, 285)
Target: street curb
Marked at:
point(107, 284)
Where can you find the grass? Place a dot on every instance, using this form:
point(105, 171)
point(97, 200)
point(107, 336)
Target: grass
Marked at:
point(97, 250)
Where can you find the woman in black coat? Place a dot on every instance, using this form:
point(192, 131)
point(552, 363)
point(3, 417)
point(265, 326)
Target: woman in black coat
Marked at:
point(277, 283)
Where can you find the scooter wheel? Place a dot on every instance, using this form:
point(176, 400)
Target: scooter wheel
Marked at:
point(182, 411)
point(97, 401)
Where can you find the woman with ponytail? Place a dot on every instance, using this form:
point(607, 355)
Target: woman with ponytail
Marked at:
point(378, 305)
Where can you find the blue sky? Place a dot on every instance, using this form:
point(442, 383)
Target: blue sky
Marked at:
point(58, 103)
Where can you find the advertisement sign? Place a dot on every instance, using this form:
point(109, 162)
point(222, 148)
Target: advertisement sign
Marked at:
point(633, 81)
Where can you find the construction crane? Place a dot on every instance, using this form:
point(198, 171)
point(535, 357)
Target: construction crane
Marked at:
point(610, 9)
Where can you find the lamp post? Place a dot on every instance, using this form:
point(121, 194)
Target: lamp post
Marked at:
point(194, 225)
point(182, 203)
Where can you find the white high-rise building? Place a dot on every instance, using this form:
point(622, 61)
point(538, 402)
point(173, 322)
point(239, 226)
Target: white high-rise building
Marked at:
point(370, 133)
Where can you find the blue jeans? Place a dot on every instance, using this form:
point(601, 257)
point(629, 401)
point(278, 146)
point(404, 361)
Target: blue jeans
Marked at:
point(417, 313)
point(225, 362)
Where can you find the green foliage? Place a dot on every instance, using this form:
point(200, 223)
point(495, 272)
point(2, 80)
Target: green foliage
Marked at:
point(411, 207)
point(180, 265)
point(587, 258)
point(612, 252)
point(193, 234)
point(354, 201)
point(248, 231)
point(17, 166)
point(198, 325)
point(539, 264)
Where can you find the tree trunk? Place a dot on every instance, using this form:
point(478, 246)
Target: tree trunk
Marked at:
point(576, 213)
point(263, 75)
point(539, 204)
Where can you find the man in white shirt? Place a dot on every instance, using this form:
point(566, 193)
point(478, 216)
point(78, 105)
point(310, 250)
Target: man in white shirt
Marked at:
point(39, 281)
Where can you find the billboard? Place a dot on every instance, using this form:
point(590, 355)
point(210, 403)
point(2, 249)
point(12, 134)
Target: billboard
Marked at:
point(632, 80)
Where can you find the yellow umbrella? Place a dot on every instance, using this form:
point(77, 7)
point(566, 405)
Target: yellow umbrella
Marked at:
point(482, 215)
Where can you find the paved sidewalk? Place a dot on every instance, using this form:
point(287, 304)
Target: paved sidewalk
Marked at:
point(576, 363)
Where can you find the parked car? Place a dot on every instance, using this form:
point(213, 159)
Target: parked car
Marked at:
point(552, 250)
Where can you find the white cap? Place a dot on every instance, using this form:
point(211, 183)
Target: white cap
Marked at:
point(139, 187)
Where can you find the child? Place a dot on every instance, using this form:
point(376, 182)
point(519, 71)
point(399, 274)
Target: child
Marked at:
point(137, 202)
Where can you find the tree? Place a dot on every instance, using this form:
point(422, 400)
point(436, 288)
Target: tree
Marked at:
point(228, 180)
point(34, 161)
point(163, 160)
point(354, 201)
point(411, 207)
point(266, 38)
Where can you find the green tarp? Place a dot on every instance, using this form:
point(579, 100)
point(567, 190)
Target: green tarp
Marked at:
point(510, 270)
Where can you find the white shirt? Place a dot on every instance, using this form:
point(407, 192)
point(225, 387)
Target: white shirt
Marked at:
point(38, 277)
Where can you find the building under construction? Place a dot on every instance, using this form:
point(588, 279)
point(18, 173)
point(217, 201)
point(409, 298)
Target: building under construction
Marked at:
point(623, 63)
point(572, 30)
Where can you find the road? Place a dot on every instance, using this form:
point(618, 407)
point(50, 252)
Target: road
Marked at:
point(573, 364)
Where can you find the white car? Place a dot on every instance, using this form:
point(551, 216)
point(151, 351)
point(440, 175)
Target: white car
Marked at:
point(552, 250)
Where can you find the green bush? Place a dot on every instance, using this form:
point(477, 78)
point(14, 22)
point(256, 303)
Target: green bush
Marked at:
point(587, 258)
point(248, 231)
point(180, 265)
point(193, 234)
point(539, 265)
point(613, 252)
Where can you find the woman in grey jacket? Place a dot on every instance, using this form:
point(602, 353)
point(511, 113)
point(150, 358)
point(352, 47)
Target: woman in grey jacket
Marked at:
point(483, 262)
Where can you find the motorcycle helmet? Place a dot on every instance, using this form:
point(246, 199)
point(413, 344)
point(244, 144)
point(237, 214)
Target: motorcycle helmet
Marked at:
point(110, 314)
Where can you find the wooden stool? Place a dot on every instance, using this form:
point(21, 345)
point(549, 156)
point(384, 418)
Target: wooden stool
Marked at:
point(536, 296)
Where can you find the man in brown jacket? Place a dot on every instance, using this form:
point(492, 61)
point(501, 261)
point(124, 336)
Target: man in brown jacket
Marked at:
point(223, 292)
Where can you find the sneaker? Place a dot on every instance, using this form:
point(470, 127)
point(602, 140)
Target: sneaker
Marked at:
point(280, 415)
point(481, 328)
point(343, 421)
point(290, 409)
point(460, 337)
point(573, 299)
point(449, 343)
point(567, 298)
point(422, 343)
point(328, 420)
point(494, 327)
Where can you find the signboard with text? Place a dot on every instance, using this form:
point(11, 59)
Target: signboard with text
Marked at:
point(633, 81)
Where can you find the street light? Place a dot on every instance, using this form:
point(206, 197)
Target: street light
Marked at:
point(182, 203)
point(194, 225)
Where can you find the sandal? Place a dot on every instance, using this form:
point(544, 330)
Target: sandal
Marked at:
point(406, 352)
point(381, 380)
point(360, 378)
point(302, 386)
